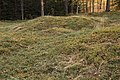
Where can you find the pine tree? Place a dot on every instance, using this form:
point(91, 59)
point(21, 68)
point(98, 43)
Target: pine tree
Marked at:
point(93, 1)
point(42, 8)
point(66, 7)
point(108, 6)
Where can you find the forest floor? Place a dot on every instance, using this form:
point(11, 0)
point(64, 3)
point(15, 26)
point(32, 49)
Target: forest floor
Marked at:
point(80, 47)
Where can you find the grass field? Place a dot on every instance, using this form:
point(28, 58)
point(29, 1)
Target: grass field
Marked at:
point(80, 47)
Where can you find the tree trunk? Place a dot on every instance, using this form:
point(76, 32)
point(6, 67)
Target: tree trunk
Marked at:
point(86, 6)
point(15, 14)
point(100, 4)
point(77, 9)
point(93, 1)
point(72, 5)
point(90, 7)
point(42, 8)
point(22, 10)
point(0, 9)
point(108, 6)
point(66, 7)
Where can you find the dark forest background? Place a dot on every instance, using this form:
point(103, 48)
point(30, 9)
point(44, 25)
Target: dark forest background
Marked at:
point(11, 9)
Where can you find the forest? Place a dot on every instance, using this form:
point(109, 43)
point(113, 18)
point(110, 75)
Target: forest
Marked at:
point(59, 39)
point(29, 9)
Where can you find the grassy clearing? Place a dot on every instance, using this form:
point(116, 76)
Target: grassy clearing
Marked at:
point(61, 48)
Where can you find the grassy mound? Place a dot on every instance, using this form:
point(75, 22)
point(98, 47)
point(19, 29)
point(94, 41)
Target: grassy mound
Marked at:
point(61, 48)
point(44, 23)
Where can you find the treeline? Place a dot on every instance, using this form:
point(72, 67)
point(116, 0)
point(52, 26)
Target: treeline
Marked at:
point(29, 9)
